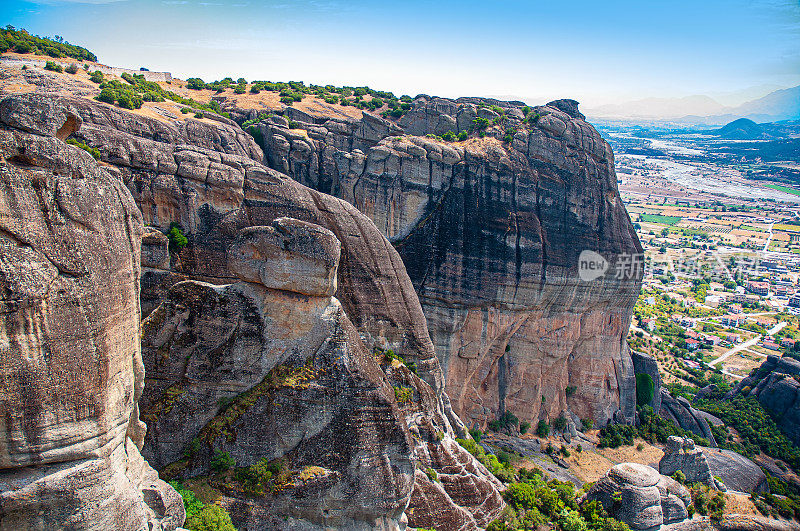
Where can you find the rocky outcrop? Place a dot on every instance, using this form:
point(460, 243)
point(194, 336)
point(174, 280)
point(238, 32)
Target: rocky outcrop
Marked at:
point(71, 366)
point(775, 385)
point(682, 454)
point(271, 370)
point(680, 411)
point(641, 497)
point(207, 177)
point(736, 472)
point(491, 233)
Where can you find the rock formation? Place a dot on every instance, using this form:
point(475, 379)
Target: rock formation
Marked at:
point(70, 364)
point(491, 232)
point(776, 387)
point(682, 454)
point(679, 410)
point(736, 472)
point(271, 369)
point(641, 497)
point(207, 176)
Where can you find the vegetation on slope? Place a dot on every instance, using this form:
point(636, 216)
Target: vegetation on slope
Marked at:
point(20, 41)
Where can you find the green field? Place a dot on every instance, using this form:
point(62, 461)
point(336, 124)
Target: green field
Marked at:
point(658, 218)
point(786, 189)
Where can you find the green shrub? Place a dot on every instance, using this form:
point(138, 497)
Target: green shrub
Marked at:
point(403, 394)
point(222, 461)
point(679, 476)
point(107, 95)
point(560, 423)
point(195, 83)
point(644, 389)
point(542, 429)
point(96, 77)
point(476, 434)
point(210, 518)
point(177, 240)
point(53, 66)
point(199, 114)
point(449, 136)
point(462, 136)
point(94, 152)
point(479, 124)
point(432, 475)
point(521, 495)
point(256, 478)
point(72, 68)
point(570, 390)
point(193, 448)
point(191, 504)
point(524, 426)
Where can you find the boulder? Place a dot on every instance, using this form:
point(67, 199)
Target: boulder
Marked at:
point(641, 497)
point(736, 471)
point(291, 255)
point(155, 249)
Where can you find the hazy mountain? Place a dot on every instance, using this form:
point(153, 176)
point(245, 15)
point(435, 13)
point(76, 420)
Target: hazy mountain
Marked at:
point(780, 105)
point(654, 108)
point(783, 104)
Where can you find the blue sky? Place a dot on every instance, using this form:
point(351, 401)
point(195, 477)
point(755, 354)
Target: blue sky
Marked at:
point(594, 51)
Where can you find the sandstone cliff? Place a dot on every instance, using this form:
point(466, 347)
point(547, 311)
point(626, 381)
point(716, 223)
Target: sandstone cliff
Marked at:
point(70, 358)
point(490, 232)
point(207, 176)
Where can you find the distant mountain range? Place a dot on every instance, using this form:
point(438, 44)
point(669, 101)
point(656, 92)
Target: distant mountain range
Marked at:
point(783, 104)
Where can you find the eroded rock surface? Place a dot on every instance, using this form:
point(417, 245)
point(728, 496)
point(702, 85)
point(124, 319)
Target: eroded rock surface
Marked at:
point(275, 374)
point(682, 454)
point(736, 472)
point(71, 366)
point(680, 411)
point(491, 233)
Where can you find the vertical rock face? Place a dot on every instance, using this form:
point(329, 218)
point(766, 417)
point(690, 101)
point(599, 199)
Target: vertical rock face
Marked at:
point(491, 233)
point(70, 358)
